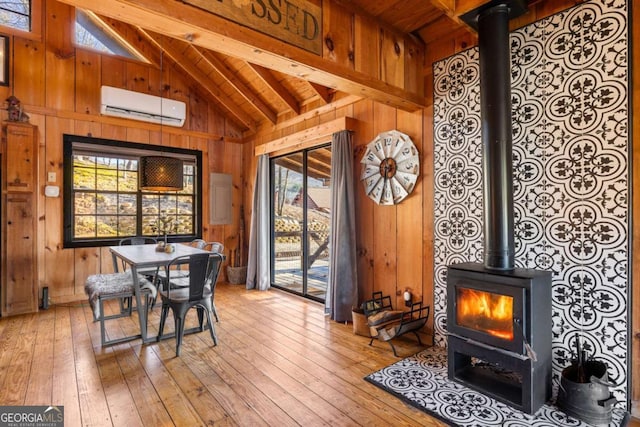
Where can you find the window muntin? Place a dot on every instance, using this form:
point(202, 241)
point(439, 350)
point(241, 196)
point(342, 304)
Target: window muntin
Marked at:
point(102, 200)
point(16, 14)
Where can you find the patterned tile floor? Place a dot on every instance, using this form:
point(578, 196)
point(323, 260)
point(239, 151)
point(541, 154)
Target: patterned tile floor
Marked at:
point(421, 380)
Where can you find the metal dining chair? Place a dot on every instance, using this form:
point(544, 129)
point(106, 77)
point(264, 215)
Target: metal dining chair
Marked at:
point(151, 274)
point(198, 243)
point(215, 247)
point(139, 240)
point(203, 276)
point(179, 270)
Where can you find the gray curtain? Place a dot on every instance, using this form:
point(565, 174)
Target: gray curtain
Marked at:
point(259, 263)
point(342, 289)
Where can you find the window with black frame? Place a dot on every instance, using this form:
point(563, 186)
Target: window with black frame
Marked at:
point(104, 204)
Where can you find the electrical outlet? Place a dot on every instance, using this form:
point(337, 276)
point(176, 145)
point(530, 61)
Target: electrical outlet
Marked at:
point(51, 177)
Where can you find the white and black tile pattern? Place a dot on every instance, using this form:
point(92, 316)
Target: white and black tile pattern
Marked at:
point(421, 380)
point(570, 120)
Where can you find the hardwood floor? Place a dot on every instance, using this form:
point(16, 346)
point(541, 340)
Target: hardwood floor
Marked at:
point(279, 362)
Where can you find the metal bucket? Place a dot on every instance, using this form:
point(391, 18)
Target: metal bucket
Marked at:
point(587, 398)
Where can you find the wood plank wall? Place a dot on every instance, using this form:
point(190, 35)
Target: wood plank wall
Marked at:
point(59, 87)
point(394, 246)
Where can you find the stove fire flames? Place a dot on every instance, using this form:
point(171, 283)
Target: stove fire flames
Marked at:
point(485, 311)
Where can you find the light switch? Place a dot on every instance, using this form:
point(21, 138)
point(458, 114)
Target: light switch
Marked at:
point(51, 177)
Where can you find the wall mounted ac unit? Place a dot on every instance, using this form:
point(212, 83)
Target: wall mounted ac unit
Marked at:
point(139, 106)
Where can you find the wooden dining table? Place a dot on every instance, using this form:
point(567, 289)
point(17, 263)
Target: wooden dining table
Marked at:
point(146, 257)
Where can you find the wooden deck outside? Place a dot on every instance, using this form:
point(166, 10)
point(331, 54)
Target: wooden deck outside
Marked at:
point(288, 275)
point(279, 362)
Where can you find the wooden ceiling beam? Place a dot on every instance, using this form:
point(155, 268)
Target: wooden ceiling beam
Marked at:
point(281, 92)
point(454, 9)
point(246, 92)
point(290, 163)
point(322, 155)
point(446, 6)
point(463, 6)
point(318, 166)
point(199, 76)
point(316, 170)
point(305, 139)
point(324, 92)
point(442, 28)
point(133, 37)
point(301, 120)
point(117, 36)
point(181, 21)
point(457, 8)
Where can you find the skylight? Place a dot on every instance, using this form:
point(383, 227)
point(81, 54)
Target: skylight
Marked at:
point(93, 33)
point(16, 14)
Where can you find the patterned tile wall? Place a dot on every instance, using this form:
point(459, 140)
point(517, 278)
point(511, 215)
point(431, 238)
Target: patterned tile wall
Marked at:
point(570, 153)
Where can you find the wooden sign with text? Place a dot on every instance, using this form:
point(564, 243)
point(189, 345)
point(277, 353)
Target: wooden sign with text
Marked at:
point(297, 22)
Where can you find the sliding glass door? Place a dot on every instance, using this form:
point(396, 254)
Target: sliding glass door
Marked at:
point(301, 198)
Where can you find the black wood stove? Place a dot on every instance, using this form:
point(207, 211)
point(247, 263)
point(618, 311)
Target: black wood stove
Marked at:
point(498, 316)
point(499, 326)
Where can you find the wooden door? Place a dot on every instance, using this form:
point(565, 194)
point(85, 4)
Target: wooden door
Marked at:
point(20, 271)
point(20, 296)
point(21, 157)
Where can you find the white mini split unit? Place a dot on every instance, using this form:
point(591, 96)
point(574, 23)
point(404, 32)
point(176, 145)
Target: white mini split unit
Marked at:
point(139, 106)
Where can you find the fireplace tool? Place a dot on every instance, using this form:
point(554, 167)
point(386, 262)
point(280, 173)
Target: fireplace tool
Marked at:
point(584, 389)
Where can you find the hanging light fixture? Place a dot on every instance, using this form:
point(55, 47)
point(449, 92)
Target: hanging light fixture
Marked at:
point(161, 173)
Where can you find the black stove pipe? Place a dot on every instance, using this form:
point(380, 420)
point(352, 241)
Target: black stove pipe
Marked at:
point(497, 161)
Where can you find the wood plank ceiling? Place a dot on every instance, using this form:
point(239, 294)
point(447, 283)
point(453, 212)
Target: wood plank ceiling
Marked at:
point(251, 95)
